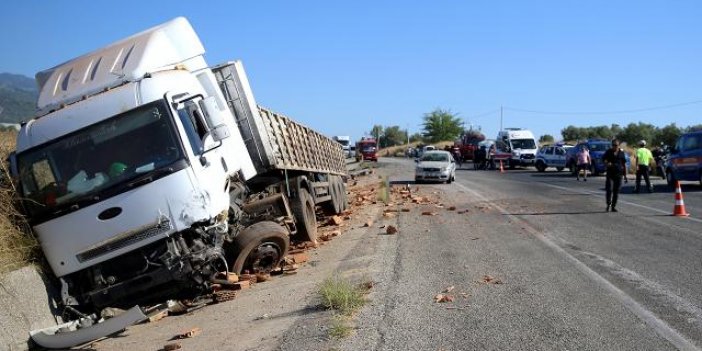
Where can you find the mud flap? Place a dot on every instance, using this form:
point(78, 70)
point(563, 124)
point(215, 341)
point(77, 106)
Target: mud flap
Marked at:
point(56, 338)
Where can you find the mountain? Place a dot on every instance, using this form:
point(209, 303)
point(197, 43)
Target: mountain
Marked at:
point(18, 97)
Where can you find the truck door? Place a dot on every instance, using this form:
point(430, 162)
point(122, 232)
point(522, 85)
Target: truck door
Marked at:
point(203, 148)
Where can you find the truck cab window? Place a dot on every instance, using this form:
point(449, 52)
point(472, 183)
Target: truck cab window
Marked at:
point(194, 128)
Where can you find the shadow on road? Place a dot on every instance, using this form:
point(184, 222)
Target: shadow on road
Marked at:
point(552, 213)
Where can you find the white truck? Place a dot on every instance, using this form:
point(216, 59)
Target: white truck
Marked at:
point(345, 142)
point(521, 144)
point(145, 172)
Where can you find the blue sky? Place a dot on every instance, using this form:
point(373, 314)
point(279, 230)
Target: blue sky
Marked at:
point(341, 67)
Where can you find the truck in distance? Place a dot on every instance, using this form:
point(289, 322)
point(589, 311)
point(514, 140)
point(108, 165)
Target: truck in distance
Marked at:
point(345, 142)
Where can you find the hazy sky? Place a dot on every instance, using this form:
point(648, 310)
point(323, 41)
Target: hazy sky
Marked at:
point(341, 67)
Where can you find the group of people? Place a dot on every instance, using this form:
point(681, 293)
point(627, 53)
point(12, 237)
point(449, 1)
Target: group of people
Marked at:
point(484, 158)
point(615, 162)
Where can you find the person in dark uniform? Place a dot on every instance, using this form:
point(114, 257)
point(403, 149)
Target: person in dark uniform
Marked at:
point(615, 161)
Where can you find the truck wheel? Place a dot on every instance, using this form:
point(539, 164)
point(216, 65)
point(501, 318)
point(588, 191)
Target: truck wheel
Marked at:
point(344, 197)
point(260, 248)
point(333, 205)
point(305, 218)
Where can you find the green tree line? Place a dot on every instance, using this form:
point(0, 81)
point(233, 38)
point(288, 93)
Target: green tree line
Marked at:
point(631, 133)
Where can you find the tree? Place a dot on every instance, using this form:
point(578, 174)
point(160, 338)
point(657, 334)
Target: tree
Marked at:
point(633, 132)
point(416, 137)
point(440, 125)
point(393, 135)
point(546, 138)
point(693, 128)
point(376, 131)
point(667, 135)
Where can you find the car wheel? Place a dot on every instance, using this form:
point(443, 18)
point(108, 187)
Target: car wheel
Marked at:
point(571, 168)
point(540, 166)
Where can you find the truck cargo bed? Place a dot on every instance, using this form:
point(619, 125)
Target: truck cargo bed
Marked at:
point(275, 141)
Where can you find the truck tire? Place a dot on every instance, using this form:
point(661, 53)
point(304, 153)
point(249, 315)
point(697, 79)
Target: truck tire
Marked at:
point(305, 218)
point(344, 198)
point(260, 248)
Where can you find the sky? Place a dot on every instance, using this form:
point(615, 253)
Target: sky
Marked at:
point(341, 67)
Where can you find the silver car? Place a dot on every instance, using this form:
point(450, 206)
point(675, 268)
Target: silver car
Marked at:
point(437, 166)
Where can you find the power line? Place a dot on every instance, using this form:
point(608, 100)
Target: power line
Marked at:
point(604, 112)
point(485, 113)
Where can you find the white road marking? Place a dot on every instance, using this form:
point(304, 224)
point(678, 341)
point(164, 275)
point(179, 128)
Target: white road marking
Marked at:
point(658, 325)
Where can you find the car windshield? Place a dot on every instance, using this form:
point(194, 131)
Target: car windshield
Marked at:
point(368, 149)
point(435, 157)
point(100, 156)
point(599, 146)
point(523, 144)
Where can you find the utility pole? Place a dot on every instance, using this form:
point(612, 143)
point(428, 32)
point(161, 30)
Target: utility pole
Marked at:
point(500, 117)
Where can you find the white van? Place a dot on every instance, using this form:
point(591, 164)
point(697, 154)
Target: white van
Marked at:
point(521, 144)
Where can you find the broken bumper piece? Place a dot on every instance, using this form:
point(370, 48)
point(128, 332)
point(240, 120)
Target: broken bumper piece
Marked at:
point(68, 334)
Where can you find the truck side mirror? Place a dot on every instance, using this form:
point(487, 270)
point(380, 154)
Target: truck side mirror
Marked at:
point(215, 118)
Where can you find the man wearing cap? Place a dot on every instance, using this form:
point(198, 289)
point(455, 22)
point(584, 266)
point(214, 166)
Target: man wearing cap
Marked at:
point(643, 162)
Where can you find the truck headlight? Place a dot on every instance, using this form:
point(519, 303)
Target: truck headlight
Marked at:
point(444, 169)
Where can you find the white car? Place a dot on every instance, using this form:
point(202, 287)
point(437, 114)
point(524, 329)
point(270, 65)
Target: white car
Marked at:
point(438, 166)
point(551, 156)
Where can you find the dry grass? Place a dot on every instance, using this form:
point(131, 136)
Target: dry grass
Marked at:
point(18, 247)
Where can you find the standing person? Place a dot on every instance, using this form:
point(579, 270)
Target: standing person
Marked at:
point(583, 162)
point(643, 162)
point(616, 168)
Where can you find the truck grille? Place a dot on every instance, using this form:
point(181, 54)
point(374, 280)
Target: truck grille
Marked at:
point(527, 156)
point(164, 226)
point(432, 169)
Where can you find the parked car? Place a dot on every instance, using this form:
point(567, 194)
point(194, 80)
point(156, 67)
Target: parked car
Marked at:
point(435, 166)
point(685, 159)
point(597, 149)
point(551, 156)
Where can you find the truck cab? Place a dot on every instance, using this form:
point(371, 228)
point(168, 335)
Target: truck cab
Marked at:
point(367, 149)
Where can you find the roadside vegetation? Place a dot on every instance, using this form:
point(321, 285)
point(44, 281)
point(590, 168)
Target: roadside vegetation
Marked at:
point(344, 298)
point(18, 247)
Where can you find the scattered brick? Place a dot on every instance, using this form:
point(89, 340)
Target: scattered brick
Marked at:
point(452, 208)
point(189, 334)
point(442, 298)
point(300, 258)
point(391, 230)
point(244, 284)
point(335, 220)
point(428, 213)
point(172, 346)
point(368, 223)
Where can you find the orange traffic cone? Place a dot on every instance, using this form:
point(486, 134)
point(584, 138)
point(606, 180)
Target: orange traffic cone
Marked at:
point(679, 209)
point(502, 169)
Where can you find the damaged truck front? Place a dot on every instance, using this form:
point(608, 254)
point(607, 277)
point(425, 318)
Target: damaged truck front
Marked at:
point(144, 175)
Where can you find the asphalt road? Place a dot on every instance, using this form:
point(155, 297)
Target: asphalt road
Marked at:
point(572, 277)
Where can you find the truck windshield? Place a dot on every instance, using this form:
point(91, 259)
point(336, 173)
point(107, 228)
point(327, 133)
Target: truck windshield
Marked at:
point(523, 144)
point(74, 170)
